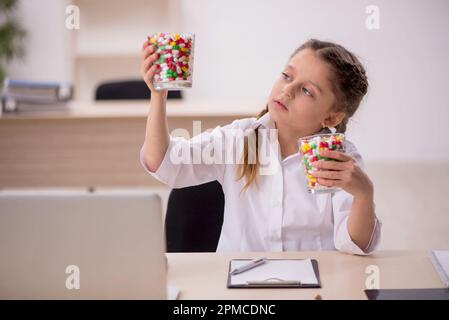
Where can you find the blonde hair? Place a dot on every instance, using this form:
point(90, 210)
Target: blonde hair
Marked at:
point(349, 84)
point(250, 170)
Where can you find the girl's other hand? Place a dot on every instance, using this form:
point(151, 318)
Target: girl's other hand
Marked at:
point(344, 173)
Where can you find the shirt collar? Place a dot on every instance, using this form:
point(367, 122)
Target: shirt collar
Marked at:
point(264, 122)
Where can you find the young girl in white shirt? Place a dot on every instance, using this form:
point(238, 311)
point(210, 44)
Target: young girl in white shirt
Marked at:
point(321, 87)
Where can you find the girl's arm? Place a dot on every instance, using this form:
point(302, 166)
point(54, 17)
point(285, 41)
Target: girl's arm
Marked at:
point(156, 136)
point(357, 229)
point(362, 220)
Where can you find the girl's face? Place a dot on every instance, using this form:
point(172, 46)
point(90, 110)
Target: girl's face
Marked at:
point(302, 98)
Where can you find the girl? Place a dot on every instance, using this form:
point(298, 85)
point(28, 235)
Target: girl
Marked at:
point(321, 87)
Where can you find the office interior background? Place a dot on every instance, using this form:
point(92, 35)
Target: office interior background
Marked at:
point(240, 47)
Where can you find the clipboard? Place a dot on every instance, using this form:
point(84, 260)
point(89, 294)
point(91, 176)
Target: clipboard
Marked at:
point(270, 275)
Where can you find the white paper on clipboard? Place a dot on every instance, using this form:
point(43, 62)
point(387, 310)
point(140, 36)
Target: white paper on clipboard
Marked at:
point(273, 271)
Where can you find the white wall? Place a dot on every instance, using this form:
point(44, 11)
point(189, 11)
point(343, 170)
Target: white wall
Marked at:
point(400, 128)
point(242, 46)
point(48, 44)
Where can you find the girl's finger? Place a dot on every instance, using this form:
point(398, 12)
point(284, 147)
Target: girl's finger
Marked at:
point(147, 64)
point(337, 155)
point(329, 165)
point(151, 71)
point(148, 51)
point(332, 175)
point(330, 183)
point(145, 44)
point(149, 61)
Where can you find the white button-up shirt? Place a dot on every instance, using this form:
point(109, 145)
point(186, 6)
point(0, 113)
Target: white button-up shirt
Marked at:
point(279, 214)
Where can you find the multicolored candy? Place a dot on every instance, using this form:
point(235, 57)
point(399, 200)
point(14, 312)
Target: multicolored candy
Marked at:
point(175, 63)
point(311, 148)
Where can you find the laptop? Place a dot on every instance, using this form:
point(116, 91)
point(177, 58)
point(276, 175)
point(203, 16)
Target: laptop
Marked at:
point(58, 244)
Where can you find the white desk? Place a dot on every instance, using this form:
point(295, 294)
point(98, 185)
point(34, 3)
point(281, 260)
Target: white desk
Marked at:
point(204, 275)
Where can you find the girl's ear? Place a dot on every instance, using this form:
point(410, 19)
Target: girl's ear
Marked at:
point(334, 119)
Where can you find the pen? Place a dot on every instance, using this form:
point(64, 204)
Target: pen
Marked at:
point(249, 266)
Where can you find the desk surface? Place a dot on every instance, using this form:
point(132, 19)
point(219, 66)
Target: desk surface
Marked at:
point(203, 275)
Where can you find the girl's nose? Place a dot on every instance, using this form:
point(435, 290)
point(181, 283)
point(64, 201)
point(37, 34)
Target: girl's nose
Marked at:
point(288, 92)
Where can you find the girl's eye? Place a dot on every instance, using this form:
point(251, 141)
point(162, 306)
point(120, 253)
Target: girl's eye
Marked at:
point(307, 92)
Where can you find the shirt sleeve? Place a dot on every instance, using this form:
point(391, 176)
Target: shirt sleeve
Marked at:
point(341, 206)
point(183, 164)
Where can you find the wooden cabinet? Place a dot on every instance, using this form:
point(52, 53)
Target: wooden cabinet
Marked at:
point(92, 145)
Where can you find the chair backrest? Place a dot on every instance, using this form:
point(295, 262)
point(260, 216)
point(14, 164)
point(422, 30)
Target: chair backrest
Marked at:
point(194, 218)
point(128, 90)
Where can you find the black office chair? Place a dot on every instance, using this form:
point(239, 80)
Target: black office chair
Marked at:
point(194, 218)
point(128, 90)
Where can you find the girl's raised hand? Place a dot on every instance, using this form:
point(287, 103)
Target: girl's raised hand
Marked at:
point(149, 56)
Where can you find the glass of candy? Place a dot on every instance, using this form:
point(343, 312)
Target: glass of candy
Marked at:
point(175, 60)
point(310, 149)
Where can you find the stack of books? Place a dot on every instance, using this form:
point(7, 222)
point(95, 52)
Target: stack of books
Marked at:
point(21, 95)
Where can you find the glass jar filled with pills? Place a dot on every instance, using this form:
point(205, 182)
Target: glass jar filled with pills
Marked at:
point(175, 63)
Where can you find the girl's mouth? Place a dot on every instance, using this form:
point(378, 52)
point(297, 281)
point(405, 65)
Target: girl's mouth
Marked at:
point(280, 105)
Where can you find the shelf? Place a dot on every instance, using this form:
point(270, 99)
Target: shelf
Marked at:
point(108, 54)
point(107, 46)
point(132, 108)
